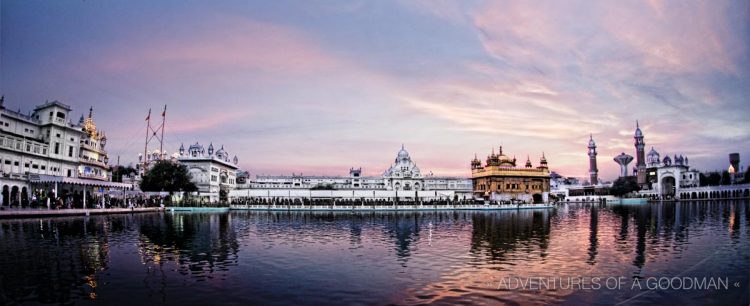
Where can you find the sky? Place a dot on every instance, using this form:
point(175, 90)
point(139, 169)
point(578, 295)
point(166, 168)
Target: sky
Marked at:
point(318, 87)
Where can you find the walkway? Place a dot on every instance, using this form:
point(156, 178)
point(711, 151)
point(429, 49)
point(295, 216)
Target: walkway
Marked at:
point(33, 213)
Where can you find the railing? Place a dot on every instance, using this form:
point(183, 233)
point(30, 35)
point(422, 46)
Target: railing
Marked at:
point(385, 207)
point(93, 176)
point(93, 162)
point(91, 147)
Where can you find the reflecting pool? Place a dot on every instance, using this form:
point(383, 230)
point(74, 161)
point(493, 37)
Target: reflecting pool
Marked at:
point(555, 256)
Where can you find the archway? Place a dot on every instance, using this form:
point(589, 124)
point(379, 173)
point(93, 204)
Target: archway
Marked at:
point(693, 196)
point(14, 195)
point(6, 195)
point(668, 187)
point(24, 197)
point(537, 197)
point(397, 186)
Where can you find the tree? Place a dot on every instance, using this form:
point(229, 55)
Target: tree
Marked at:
point(725, 178)
point(118, 172)
point(167, 176)
point(624, 185)
point(712, 179)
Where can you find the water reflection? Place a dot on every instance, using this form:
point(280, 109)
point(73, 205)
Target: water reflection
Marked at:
point(593, 236)
point(499, 233)
point(52, 260)
point(370, 258)
point(200, 243)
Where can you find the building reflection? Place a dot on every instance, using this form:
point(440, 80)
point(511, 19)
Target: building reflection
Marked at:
point(52, 260)
point(200, 243)
point(593, 232)
point(499, 233)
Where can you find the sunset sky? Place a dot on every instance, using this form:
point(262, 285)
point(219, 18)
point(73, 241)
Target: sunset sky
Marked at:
point(321, 86)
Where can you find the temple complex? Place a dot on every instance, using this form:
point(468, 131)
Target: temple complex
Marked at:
point(501, 180)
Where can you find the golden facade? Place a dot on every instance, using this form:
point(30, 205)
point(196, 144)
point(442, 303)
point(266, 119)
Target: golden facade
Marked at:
point(501, 179)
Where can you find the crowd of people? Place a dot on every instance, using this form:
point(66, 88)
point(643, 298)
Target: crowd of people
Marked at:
point(345, 202)
point(74, 199)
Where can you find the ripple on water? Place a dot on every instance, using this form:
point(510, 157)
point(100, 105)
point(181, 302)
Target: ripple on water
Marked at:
point(371, 258)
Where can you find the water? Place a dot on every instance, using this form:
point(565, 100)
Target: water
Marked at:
point(276, 258)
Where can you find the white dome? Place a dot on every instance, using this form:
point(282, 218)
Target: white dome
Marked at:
point(402, 154)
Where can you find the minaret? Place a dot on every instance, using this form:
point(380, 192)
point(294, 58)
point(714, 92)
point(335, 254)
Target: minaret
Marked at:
point(593, 171)
point(640, 160)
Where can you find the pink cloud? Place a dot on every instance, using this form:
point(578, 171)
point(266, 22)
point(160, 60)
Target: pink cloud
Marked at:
point(228, 42)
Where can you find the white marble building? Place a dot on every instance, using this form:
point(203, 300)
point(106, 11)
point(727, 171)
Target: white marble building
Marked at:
point(402, 175)
point(44, 147)
point(668, 175)
point(214, 173)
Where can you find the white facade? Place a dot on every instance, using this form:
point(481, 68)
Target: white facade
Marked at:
point(668, 175)
point(403, 175)
point(212, 172)
point(46, 142)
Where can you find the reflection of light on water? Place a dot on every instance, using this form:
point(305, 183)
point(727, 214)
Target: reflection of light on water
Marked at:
point(91, 282)
point(429, 231)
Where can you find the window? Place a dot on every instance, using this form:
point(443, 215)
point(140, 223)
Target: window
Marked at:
point(57, 148)
point(61, 115)
point(70, 151)
point(72, 139)
point(35, 166)
point(26, 165)
point(69, 173)
point(7, 162)
point(15, 163)
point(213, 178)
point(44, 168)
point(58, 135)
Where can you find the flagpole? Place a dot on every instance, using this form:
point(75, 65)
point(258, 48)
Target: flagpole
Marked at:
point(161, 141)
point(145, 146)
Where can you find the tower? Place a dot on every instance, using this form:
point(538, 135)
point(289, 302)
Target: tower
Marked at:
point(593, 171)
point(640, 161)
point(623, 160)
point(734, 161)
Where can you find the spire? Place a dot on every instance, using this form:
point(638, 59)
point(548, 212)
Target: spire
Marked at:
point(637, 126)
point(402, 146)
point(91, 111)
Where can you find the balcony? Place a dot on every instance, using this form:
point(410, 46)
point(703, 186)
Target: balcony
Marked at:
point(93, 176)
point(93, 162)
point(92, 148)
